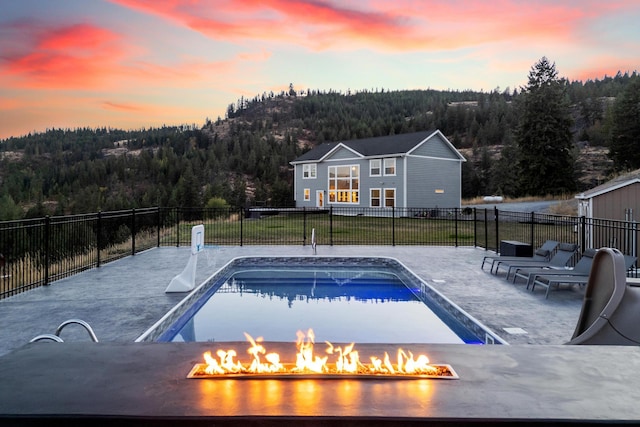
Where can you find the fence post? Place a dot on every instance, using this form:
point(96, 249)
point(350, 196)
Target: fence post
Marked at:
point(331, 225)
point(98, 237)
point(158, 219)
point(133, 231)
point(583, 232)
point(455, 212)
point(533, 221)
point(47, 258)
point(486, 229)
point(241, 222)
point(497, 214)
point(304, 226)
point(393, 225)
point(178, 226)
point(475, 227)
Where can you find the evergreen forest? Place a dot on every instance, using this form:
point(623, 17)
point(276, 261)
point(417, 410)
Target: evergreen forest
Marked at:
point(243, 158)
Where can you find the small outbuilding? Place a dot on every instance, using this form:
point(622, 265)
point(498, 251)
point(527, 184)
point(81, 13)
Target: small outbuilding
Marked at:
point(618, 199)
point(613, 206)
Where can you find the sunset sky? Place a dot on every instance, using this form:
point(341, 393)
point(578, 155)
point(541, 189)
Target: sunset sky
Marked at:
point(141, 63)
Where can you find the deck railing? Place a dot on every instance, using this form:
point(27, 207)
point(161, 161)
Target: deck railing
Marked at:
point(36, 252)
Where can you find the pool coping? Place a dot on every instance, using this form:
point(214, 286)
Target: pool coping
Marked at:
point(484, 333)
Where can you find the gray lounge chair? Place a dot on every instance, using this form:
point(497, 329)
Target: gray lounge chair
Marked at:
point(543, 253)
point(582, 268)
point(547, 280)
point(611, 309)
point(560, 259)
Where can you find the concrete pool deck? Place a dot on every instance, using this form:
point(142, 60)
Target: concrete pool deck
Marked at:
point(122, 299)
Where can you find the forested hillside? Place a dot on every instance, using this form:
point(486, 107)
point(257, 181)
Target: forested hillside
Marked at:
point(244, 158)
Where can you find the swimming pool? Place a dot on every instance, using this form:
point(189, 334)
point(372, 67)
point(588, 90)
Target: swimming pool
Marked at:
point(363, 300)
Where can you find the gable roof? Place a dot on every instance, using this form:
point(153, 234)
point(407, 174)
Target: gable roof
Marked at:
point(378, 146)
point(616, 183)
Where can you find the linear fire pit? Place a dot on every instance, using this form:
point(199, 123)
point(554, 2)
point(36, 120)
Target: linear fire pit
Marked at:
point(444, 372)
point(67, 383)
point(347, 363)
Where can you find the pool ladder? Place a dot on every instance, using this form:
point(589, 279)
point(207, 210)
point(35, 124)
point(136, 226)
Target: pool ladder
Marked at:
point(313, 240)
point(56, 336)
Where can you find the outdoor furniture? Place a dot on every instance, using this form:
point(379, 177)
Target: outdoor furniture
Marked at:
point(582, 268)
point(549, 279)
point(610, 309)
point(560, 259)
point(515, 248)
point(543, 253)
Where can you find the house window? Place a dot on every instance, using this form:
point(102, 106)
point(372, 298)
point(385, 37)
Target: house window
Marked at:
point(307, 194)
point(309, 171)
point(344, 184)
point(389, 197)
point(374, 167)
point(390, 166)
point(376, 195)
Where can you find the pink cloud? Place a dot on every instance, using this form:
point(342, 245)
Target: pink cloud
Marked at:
point(85, 56)
point(64, 57)
point(399, 25)
point(314, 23)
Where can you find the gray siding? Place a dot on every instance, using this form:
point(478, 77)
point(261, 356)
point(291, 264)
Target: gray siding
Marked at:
point(383, 182)
point(342, 153)
point(428, 175)
point(433, 165)
point(435, 147)
point(319, 183)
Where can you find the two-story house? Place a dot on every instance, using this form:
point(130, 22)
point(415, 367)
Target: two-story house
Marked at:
point(414, 170)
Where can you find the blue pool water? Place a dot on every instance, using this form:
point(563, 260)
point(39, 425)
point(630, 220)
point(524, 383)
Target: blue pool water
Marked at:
point(371, 300)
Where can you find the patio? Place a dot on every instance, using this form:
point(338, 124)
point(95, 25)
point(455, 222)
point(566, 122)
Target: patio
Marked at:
point(120, 300)
point(116, 381)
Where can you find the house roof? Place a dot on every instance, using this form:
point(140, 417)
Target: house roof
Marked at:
point(379, 146)
point(618, 182)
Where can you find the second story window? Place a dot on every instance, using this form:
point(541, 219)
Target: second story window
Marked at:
point(390, 166)
point(309, 171)
point(375, 167)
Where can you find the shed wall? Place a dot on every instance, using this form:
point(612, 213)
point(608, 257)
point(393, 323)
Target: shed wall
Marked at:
point(612, 205)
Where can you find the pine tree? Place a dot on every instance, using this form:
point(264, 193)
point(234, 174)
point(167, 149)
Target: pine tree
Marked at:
point(543, 136)
point(625, 133)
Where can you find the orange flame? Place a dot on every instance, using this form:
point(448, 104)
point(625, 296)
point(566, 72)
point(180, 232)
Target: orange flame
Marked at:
point(347, 361)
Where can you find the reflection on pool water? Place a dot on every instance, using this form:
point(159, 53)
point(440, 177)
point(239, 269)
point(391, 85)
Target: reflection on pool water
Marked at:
point(362, 300)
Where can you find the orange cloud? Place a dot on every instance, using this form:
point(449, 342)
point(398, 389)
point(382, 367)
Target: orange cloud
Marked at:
point(114, 106)
point(9, 104)
point(603, 67)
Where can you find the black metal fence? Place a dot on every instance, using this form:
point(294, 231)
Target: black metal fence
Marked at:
point(35, 252)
